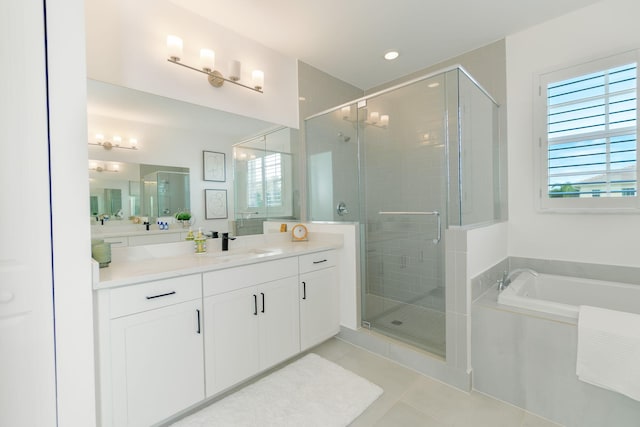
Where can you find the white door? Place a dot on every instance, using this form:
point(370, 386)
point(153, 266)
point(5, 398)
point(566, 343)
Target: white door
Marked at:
point(319, 307)
point(231, 341)
point(27, 367)
point(157, 363)
point(279, 329)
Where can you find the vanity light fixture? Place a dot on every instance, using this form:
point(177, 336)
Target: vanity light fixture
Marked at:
point(378, 120)
point(104, 168)
point(207, 62)
point(116, 142)
point(373, 118)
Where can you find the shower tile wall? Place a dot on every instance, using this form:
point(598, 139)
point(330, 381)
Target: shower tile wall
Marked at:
point(403, 263)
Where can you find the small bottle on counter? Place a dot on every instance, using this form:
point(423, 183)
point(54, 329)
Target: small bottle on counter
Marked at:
point(190, 235)
point(200, 242)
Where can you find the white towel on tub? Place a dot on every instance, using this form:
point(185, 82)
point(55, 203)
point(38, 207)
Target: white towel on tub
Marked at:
point(609, 350)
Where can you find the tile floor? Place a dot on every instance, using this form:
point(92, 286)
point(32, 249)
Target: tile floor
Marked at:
point(411, 399)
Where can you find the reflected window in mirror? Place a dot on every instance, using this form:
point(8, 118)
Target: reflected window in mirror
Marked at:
point(263, 177)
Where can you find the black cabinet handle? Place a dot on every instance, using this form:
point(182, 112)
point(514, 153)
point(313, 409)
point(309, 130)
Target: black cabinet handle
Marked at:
point(304, 290)
point(255, 305)
point(262, 293)
point(320, 262)
point(161, 295)
point(198, 314)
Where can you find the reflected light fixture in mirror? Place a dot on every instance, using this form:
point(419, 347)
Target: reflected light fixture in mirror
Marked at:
point(207, 62)
point(93, 166)
point(116, 142)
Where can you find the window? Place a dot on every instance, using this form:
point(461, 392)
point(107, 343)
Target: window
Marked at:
point(587, 126)
point(265, 181)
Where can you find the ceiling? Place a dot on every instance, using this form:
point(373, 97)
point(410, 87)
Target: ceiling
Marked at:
point(347, 39)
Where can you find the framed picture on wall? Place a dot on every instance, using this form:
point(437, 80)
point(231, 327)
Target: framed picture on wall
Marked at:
point(214, 166)
point(215, 204)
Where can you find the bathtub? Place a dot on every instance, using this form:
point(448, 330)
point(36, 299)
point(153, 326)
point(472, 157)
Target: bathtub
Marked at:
point(562, 295)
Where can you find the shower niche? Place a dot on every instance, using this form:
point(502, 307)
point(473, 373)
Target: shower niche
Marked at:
point(407, 163)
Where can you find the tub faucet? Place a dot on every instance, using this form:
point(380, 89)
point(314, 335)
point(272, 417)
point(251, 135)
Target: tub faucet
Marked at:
point(507, 277)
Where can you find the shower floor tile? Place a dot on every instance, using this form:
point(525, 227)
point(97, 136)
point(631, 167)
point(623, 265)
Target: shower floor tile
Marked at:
point(413, 323)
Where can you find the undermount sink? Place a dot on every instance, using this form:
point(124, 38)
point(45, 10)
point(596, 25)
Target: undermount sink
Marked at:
point(240, 253)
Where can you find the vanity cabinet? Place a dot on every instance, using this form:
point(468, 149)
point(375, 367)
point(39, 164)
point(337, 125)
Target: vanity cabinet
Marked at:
point(319, 296)
point(250, 329)
point(155, 357)
point(168, 344)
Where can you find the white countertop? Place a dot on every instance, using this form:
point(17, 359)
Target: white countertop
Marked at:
point(107, 233)
point(155, 262)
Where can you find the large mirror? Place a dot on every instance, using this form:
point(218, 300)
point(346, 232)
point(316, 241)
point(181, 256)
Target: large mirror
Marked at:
point(174, 134)
point(263, 178)
point(122, 191)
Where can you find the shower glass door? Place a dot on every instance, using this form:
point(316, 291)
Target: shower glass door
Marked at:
point(404, 183)
point(381, 161)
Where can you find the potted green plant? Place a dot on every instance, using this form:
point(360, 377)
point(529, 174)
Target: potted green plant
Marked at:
point(184, 217)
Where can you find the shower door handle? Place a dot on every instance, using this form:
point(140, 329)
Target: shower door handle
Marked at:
point(439, 225)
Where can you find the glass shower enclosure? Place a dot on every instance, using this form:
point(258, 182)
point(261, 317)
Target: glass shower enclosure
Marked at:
point(405, 164)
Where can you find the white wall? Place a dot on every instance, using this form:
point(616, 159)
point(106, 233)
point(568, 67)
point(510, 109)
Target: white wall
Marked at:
point(603, 29)
point(127, 47)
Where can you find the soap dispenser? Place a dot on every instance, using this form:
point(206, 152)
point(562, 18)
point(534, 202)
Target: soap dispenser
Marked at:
point(190, 235)
point(200, 242)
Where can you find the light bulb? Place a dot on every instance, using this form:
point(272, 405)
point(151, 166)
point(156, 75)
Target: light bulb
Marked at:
point(235, 68)
point(117, 140)
point(207, 59)
point(174, 47)
point(99, 138)
point(258, 79)
point(133, 142)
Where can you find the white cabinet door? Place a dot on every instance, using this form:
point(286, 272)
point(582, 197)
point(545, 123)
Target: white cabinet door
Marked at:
point(157, 363)
point(249, 330)
point(319, 307)
point(231, 341)
point(279, 325)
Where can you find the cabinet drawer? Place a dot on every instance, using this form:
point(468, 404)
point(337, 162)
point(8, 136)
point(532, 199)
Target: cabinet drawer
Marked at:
point(317, 261)
point(147, 296)
point(217, 282)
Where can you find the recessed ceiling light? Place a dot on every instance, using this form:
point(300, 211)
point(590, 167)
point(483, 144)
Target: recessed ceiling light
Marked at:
point(391, 55)
point(302, 98)
point(434, 84)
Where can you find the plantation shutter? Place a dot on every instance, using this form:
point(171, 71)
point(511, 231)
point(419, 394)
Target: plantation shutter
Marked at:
point(591, 134)
point(265, 181)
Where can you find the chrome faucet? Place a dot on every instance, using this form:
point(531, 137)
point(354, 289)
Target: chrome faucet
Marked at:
point(507, 277)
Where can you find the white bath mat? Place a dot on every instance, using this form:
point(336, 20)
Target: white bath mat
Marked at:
point(309, 392)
